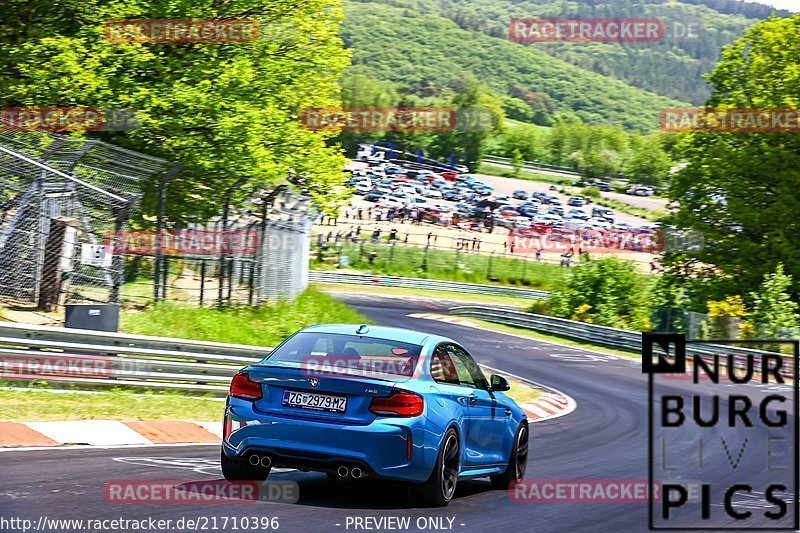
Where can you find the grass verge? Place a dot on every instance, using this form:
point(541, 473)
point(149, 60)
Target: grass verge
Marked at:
point(521, 392)
point(528, 175)
point(415, 262)
point(423, 293)
point(264, 325)
point(44, 405)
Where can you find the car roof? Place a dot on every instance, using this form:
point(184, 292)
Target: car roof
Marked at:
point(379, 332)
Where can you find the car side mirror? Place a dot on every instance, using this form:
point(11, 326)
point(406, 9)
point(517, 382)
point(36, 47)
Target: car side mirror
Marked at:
point(499, 383)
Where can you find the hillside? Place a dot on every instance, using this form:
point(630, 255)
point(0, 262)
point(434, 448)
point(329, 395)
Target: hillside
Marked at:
point(419, 51)
point(432, 41)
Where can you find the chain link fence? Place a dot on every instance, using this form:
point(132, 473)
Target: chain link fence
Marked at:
point(254, 257)
point(59, 197)
point(65, 207)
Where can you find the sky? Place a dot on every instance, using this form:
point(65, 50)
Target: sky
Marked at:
point(791, 5)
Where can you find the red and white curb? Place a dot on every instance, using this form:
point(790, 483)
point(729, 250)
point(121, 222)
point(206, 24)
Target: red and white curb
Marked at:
point(552, 403)
point(108, 433)
point(549, 406)
point(444, 318)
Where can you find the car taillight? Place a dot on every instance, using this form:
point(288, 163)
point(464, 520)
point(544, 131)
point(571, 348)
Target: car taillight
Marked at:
point(398, 403)
point(242, 387)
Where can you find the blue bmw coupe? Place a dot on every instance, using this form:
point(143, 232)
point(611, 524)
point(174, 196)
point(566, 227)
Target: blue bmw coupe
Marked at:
point(356, 401)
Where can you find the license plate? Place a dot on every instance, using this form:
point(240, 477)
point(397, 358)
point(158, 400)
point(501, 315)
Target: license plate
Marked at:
point(315, 401)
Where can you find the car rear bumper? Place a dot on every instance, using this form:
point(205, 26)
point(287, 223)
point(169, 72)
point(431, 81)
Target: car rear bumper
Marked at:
point(380, 449)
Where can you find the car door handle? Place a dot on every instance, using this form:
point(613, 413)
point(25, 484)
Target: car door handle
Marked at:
point(473, 400)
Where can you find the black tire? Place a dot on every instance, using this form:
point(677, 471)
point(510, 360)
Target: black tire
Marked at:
point(237, 469)
point(441, 485)
point(517, 461)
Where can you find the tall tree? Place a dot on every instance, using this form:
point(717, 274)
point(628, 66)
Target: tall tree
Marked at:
point(740, 189)
point(230, 112)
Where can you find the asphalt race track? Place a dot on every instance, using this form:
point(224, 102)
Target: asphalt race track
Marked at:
point(604, 439)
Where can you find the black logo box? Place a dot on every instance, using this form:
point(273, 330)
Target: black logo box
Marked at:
point(663, 365)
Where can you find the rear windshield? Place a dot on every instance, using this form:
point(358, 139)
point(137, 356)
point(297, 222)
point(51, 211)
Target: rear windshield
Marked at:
point(351, 354)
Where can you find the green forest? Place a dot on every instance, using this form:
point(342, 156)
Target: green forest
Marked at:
point(422, 45)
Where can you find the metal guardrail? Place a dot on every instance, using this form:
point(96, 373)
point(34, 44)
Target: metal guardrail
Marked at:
point(617, 338)
point(331, 276)
point(84, 357)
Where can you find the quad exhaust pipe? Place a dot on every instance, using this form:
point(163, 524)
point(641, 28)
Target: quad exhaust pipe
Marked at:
point(356, 472)
point(342, 471)
point(264, 461)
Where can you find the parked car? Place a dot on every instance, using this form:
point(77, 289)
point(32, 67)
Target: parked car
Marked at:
point(453, 195)
point(373, 196)
point(641, 190)
point(432, 193)
point(520, 223)
point(519, 194)
point(362, 187)
point(392, 201)
point(539, 195)
point(419, 202)
point(552, 199)
point(439, 183)
point(599, 222)
point(550, 220)
point(370, 405)
point(507, 212)
point(576, 201)
point(577, 214)
point(603, 212)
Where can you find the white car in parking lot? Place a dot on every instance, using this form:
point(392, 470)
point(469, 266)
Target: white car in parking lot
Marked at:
point(392, 201)
point(599, 223)
point(362, 187)
point(432, 193)
point(551, 220)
